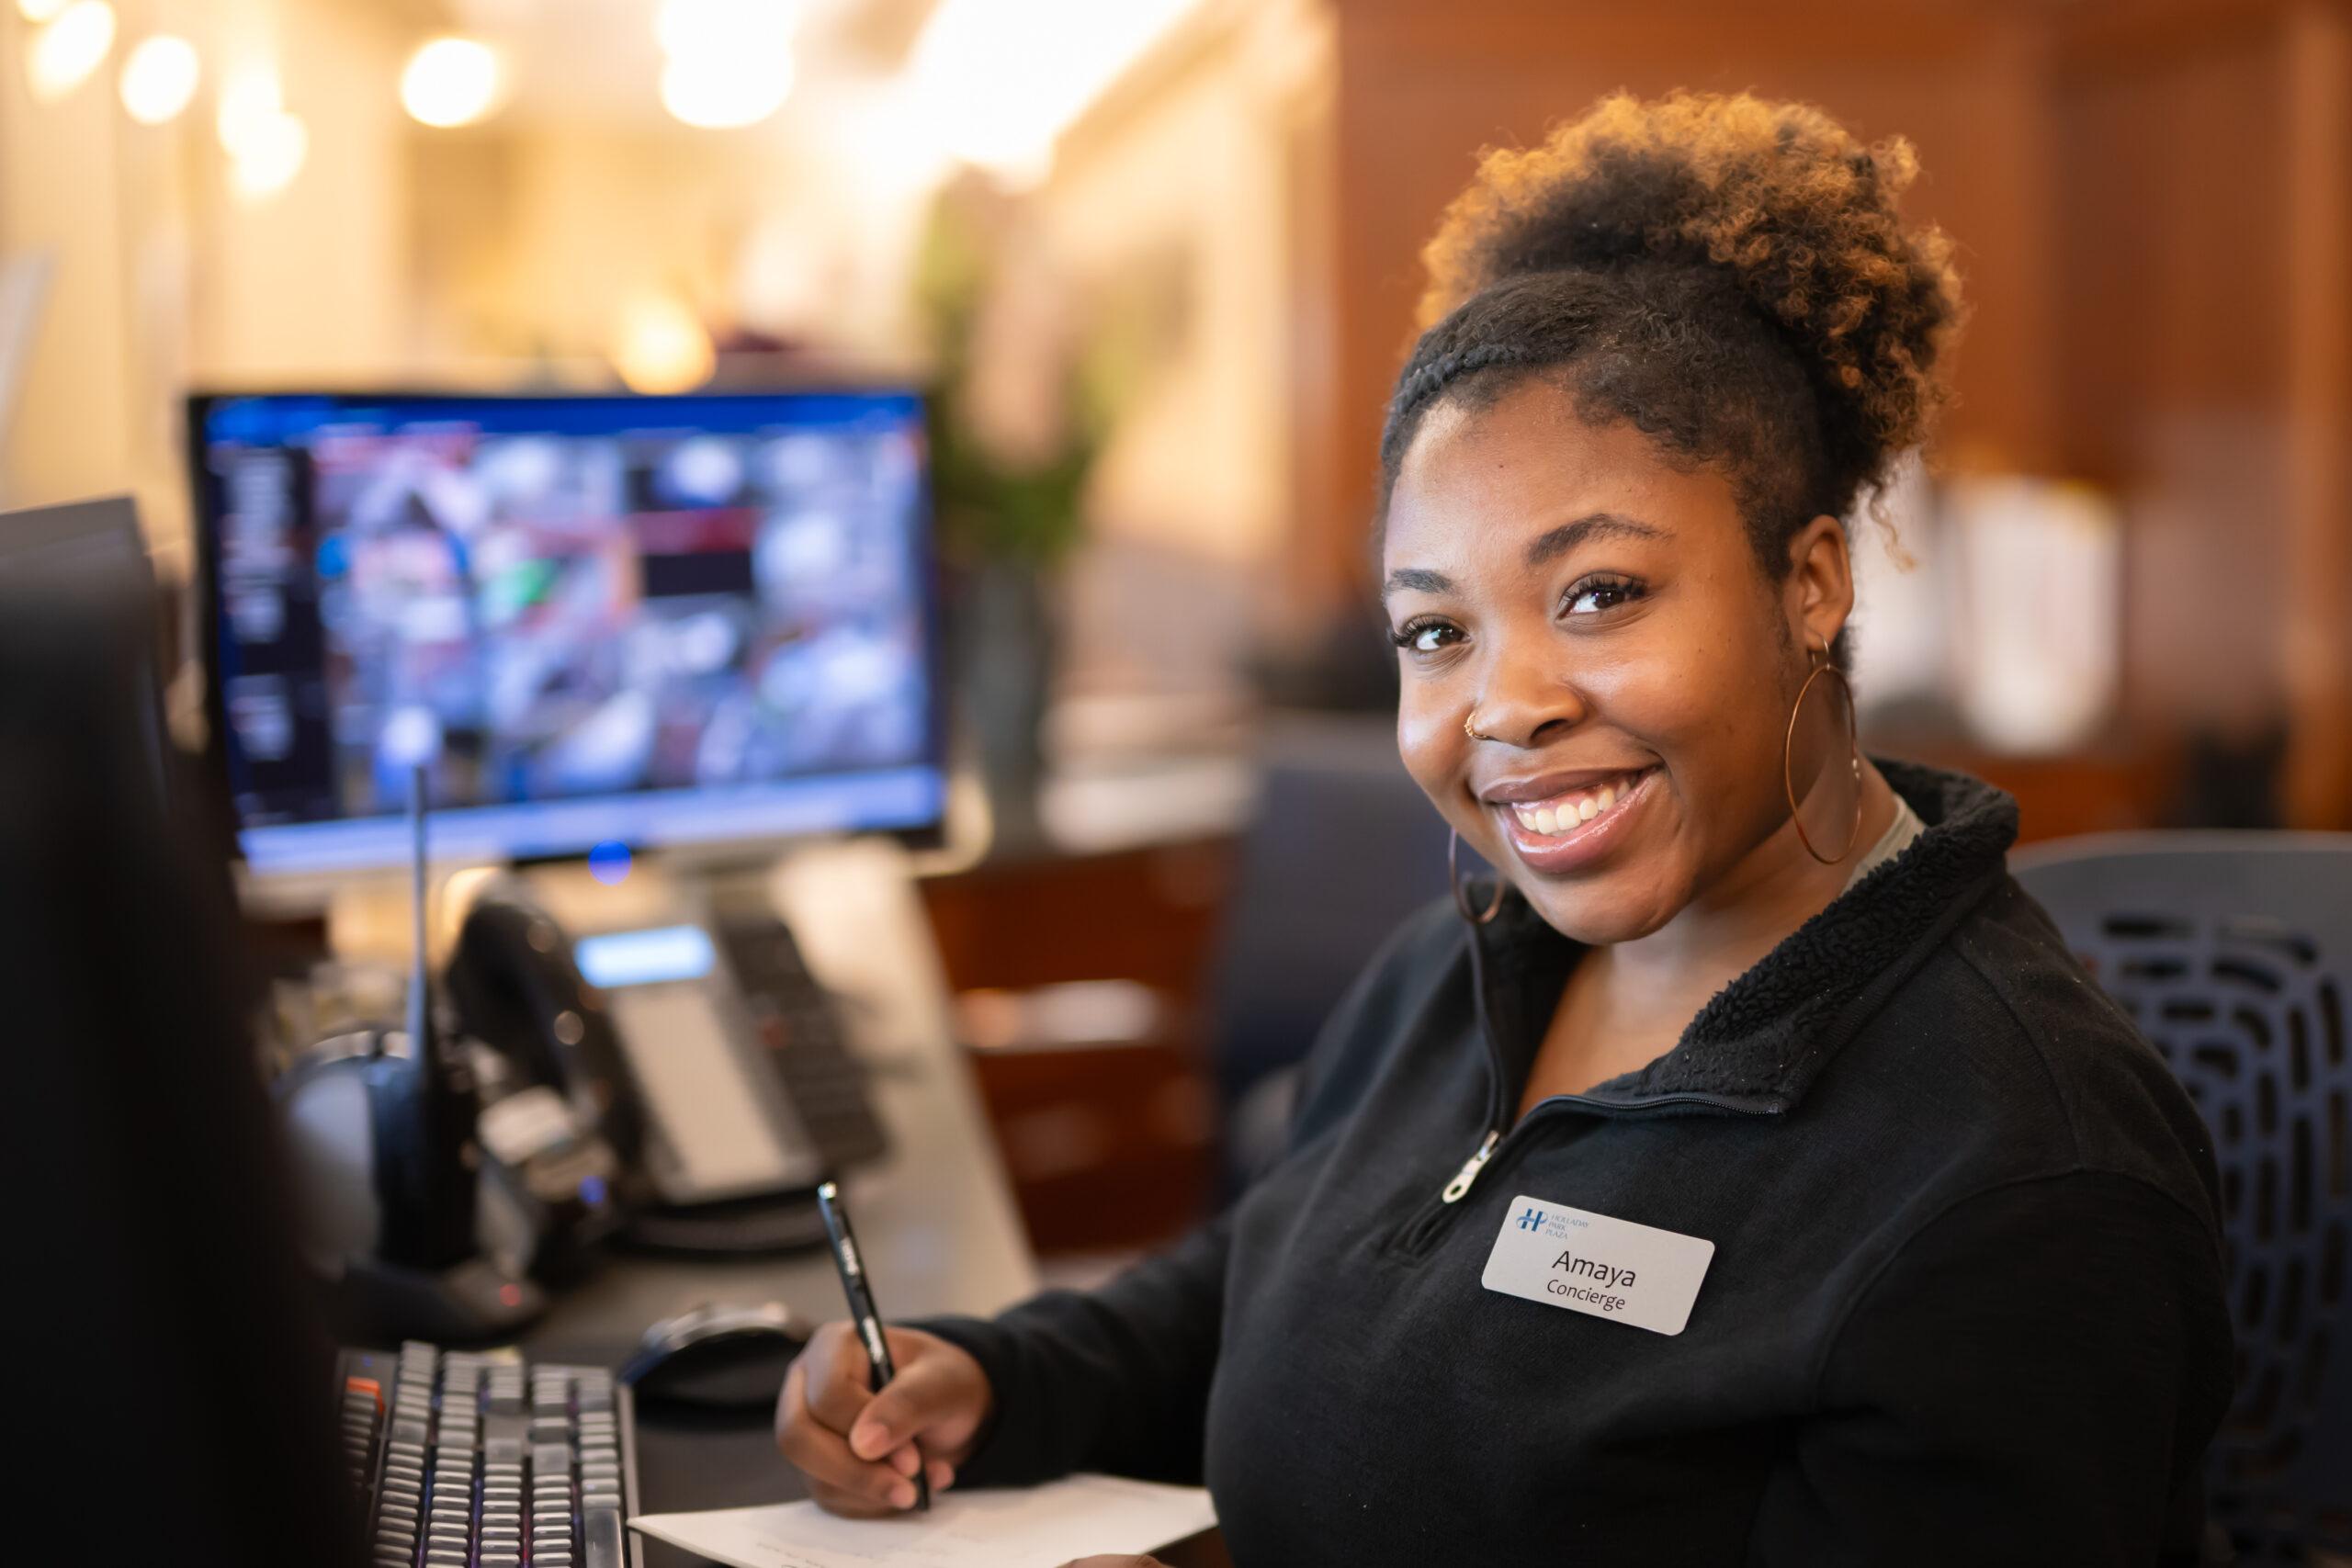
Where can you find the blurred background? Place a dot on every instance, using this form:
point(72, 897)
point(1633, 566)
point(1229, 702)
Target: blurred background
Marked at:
point(1155, 261)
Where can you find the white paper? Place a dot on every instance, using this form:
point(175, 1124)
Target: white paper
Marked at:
point(1042, 1527)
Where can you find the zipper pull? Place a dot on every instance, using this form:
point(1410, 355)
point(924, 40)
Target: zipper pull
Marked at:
point(1470, 1169)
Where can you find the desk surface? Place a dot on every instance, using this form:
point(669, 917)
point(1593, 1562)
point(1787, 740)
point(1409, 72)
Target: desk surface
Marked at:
point(937, 1240)
point(934, 1216)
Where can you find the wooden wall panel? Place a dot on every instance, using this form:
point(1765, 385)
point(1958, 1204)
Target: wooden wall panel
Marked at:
point(2315, 48)
point(2170, 272)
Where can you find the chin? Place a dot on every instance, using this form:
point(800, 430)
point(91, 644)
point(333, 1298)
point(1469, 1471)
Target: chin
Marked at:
point(1599, 916)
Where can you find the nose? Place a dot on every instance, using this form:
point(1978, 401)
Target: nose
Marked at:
point(1526, 698)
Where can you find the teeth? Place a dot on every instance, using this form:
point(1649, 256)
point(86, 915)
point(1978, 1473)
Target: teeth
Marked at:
point(1558, 816)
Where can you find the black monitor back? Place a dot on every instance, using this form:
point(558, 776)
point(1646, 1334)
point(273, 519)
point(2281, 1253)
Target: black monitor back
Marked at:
point(168, 1366)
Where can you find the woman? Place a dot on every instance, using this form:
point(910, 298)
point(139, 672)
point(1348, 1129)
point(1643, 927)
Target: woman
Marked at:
point(1752, 1178)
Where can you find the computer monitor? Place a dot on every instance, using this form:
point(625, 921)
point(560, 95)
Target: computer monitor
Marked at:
point(152, 1228)
point(648, 621)
point(90, 556)
point(87, 549)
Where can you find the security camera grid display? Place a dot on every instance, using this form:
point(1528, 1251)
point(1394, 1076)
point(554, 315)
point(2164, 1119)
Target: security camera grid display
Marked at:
point(649, 620)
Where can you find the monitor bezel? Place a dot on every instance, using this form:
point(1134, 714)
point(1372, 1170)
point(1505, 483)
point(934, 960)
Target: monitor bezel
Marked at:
point(721, 851)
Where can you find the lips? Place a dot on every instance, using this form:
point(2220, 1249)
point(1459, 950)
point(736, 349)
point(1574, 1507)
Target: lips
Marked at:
point(1571, 826)
point(1569, 808)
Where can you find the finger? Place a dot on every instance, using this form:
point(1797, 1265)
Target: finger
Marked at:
point(853, 1505)
point(941, 1474)
point(792, 1399)
point(838, 1377)
point(823, 1455)
point(825, 1461)
point(924, 1393)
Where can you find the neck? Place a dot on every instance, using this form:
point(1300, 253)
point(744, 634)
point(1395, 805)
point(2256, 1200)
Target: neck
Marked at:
point(1768, 893)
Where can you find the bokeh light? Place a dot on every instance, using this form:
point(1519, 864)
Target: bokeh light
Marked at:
point(69, 48)
point(450, 82)
point(609, 863)
point(661, 345)
point(159, 79)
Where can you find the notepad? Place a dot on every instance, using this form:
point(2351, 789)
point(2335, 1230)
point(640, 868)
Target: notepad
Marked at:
point(1041, 1526)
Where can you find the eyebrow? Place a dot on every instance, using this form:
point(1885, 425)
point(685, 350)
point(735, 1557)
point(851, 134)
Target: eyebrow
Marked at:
point(1552, 545)
point(1559, 541)
point(1416, 578)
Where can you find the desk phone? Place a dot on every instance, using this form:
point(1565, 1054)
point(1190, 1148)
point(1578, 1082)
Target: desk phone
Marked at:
point(705, 1052)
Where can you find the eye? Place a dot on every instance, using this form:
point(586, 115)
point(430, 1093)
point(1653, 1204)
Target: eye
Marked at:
point(1426, 635)
point(1592, 595)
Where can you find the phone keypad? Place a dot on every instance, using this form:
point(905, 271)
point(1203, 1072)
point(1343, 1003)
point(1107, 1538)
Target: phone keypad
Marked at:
point(798, 1025)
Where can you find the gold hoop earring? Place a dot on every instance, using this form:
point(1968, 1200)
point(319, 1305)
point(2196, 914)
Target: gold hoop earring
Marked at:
point(1462, 899)
point(1823, 665)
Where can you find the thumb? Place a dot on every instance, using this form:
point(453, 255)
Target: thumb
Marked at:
point(918, 1396)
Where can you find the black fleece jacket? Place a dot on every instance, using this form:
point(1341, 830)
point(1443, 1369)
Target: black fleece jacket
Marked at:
point(1965, 1305)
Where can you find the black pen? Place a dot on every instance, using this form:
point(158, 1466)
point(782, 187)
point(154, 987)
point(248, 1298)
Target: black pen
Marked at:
point(862, 1308)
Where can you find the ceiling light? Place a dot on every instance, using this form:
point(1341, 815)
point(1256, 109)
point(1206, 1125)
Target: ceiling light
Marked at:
point(69, 48)
point(450, 81)
point(269, 154)
point(159, 79)
point(718, 92)
point(1002, 79)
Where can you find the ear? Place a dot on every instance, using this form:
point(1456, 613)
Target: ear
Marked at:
point(1819, 593)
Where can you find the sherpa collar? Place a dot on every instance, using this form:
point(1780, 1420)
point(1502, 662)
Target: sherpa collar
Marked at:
point(1761, 1039)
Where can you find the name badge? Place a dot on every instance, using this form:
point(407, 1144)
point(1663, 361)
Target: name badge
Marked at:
point(1590, 1263)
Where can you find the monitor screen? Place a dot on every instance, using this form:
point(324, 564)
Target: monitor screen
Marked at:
point(648, 621)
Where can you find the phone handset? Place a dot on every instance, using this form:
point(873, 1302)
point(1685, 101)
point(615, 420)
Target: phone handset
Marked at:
point(518, 989)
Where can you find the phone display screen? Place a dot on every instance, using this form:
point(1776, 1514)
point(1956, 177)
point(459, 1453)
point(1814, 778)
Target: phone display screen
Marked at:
point(661, 955)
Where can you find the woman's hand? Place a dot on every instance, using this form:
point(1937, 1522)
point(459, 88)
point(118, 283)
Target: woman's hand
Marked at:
point(860, 1449)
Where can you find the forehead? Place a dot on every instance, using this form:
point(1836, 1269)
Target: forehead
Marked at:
point(1489, 478)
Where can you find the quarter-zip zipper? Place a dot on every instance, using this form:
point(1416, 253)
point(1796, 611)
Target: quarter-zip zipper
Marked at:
point(1455, 1189)
point(1459, 1188)
point(1499, 1135)
point(1415, 1238)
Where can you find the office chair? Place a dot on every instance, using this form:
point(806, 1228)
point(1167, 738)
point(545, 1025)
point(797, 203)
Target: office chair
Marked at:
point(1343, 847)
point(2233, 952)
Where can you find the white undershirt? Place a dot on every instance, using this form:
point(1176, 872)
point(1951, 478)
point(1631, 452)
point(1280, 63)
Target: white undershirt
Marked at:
point(1899, 833)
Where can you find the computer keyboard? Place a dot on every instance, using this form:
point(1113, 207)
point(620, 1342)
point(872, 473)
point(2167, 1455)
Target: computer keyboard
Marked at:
point(479, 1459)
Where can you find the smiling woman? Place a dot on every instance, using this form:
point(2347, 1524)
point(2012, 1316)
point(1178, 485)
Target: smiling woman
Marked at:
point(1669, 352)
point(1762, 1022)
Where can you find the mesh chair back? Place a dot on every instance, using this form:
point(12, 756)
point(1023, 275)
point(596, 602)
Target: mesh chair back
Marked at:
point(2233, 952)
point(1342, 848)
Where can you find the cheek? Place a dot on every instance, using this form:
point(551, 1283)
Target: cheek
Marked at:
point(1710, 709)
point(1430, 740)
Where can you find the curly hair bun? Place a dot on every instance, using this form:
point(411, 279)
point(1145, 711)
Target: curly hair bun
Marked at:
point(1779, 198)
